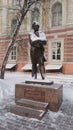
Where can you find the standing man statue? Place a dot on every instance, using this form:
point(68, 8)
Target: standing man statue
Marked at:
point(37, 41)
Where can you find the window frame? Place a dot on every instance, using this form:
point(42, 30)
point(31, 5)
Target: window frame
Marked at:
point(13, 25)
point(57, 11)
point(35, 10)
point(13, 54)
point(56, 61)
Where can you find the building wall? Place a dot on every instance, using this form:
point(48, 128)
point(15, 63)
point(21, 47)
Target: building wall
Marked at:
point(63, 33)
point(66, 35)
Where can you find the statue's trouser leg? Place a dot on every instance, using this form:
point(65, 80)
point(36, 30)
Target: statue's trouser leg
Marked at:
point(34, 70)
point(42, 70)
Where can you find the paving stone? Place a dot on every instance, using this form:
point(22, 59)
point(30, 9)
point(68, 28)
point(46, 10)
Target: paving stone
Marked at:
point(1, 128)
point(61, 120)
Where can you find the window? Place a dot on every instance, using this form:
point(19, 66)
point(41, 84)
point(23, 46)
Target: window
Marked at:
point(56, 48)
point(15, 2)
point(35, 15)
point(12, 56)
point(57, 14)
point(56, 51)
point(13, 25)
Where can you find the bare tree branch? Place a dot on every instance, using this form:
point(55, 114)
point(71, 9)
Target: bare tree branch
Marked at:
point(23, 10)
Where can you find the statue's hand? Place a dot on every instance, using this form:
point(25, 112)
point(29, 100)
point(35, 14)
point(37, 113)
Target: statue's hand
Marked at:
point(38, 43)
point(42, 42)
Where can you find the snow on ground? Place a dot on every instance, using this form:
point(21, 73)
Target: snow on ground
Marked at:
point(7, 86)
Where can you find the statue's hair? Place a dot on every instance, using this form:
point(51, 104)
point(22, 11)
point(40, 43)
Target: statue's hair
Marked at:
point(35, 23)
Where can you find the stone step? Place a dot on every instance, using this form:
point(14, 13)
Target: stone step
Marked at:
point(27, 112)
point(33, 104)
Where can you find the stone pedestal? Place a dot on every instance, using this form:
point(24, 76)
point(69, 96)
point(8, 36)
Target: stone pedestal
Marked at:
point(52, 94)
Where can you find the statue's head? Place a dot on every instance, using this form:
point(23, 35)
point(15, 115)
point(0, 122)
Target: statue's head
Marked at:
point(35, 25)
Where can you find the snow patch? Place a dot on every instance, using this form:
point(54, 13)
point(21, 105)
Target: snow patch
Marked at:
point(68, 94)
point(6, 90)
point(7, 86)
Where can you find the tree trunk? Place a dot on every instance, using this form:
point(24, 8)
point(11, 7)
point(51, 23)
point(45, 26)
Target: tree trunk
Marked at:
point(11, 45)
point(23, 12)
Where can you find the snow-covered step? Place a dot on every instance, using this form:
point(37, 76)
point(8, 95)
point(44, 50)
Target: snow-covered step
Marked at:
point(27, 112)
point(33, 104)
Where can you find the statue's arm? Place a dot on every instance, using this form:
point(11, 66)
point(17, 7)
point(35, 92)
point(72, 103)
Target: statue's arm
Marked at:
point(33, 42)
point(43, 42)
point(40, 42)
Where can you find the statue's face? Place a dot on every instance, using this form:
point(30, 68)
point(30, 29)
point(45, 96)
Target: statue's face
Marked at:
point(36, 27)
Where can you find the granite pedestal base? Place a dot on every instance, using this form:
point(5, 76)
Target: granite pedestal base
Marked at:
point(47, 93)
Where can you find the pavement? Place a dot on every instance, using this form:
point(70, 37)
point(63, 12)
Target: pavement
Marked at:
point(61, 120)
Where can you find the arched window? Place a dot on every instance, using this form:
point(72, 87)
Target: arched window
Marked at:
point(57, 14)
point(13, 25)
point(35, 14)
point(13, 54)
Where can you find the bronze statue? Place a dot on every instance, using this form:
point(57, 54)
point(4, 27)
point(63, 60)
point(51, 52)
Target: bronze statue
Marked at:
point(37, 41)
